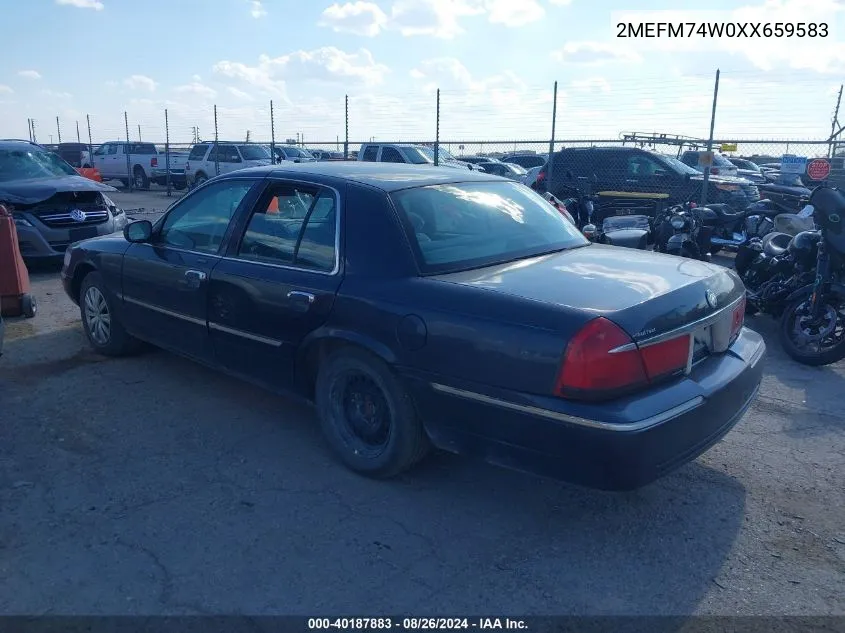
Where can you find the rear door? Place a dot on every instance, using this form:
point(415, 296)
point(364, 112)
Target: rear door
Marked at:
point(391, 155)
point(165, 282)
point(370, 153)
point(100, 158)
point(277, 282)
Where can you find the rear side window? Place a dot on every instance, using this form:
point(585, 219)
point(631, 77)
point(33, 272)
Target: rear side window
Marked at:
point(142, 148)
point(690, 158)
point(198, 152)
point(391, 155)
point(293, 226)
point(370, 153)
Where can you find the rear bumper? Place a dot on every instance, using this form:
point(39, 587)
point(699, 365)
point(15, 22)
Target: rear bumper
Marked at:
point(621, 445)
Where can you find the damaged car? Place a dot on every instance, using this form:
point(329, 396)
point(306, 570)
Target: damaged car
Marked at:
point(52, 205)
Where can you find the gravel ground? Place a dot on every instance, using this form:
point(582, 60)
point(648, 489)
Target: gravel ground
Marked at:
point(151, 485)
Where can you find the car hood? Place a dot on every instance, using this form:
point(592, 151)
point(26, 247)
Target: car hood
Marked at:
point(646, 293)
point(35, 190)
point(789, 190)
point(720, 179)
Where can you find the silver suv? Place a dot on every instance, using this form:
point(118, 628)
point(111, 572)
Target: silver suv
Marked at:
point(408, 153)
point(208, 160)
point(52, 205)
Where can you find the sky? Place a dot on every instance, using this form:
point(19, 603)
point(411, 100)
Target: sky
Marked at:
point(494, 61)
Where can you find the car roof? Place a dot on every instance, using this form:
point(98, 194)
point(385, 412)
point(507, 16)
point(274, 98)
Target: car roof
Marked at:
point(13, 143)
point(385, 176)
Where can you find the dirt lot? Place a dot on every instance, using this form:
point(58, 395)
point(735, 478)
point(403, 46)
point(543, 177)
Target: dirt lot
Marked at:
point(151, 485)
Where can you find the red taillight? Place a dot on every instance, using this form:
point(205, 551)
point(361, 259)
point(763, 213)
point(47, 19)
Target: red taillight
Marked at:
point(714, 170)
point(541, 176)
point(738, 318)
point(154, 162)
point(666, 358)
point(602, 361)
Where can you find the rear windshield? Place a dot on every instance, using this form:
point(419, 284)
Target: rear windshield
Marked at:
point(142, 148)
point(19, 164)
point(295, 152)
point(473, 224)
point(253, 152)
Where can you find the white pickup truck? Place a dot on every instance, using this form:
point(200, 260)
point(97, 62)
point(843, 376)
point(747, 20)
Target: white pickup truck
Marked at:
point(145, 164)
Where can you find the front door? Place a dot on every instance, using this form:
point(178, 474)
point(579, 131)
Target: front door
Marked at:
point(165, 282)
point(277, 283)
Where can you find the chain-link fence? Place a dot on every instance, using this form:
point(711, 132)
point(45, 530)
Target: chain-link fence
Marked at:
point(587, 118)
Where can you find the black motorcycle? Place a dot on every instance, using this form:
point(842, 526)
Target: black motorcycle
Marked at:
point(801, 280)
point(679, 231)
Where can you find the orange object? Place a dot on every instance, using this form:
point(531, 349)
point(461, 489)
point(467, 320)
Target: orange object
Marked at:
point(274, 205)
point(15, 299)
point(90, 172)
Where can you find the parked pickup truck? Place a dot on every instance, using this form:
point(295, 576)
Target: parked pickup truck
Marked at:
point(145, 164)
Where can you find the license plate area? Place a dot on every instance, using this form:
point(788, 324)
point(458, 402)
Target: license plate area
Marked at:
point(702, 344)
point(83, 233)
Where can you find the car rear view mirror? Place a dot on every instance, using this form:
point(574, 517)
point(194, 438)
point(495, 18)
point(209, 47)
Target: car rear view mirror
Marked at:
point(138, 231)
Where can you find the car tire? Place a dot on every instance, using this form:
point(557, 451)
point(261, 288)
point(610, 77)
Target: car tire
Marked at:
point(200, 178)
point(104, 331)
point(352, 384)
point(29, 307)
point(139, 178)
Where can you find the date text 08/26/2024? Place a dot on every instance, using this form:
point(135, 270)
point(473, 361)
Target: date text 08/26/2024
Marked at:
point(415, 624)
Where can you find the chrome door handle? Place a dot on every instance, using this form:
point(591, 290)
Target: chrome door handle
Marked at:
point(195, 274)
point(298, 295)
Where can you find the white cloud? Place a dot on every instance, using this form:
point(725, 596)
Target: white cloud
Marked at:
point(4, 89)
point(257, 9)
point(55, 94)
point(140, 82)
point(83, 4)
point(437, 18)
point(197, 88)
point(591, 84)
point(561, 3)
point(240, 94)
point(327, 64)
point(29, 74)
point(360, 18)
point(594, 53)
point(513, 13)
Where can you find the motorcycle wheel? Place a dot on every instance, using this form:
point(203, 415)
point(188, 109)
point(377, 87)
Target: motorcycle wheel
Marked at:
point(810, 341)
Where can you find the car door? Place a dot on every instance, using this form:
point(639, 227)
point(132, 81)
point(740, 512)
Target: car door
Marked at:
point(230, 159)
point(99, 158)
point(650, 175)
point(277, 283)
point(110, 161)
point(165, 281)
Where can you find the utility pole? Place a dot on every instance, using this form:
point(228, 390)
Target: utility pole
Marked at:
point(34, 139)
point(58, 130)
point(78, 138)
point(139, 132)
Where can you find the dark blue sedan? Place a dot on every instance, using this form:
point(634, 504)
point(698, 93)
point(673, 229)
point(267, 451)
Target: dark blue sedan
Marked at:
point(426, 306)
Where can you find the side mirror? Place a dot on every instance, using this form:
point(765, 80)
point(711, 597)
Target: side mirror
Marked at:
point(138, 231)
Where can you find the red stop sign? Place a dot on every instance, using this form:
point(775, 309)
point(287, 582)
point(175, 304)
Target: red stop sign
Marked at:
point(818, 169)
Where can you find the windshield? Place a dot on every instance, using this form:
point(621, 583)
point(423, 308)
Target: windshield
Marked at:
point(295, 152)
point(19, 164)
point(677, 165)
point(473, 224)
point(253, 152)
point(720, 161)
point(516, 169)
point(420, 154)
point(745, 164)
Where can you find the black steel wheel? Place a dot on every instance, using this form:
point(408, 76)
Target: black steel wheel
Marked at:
point(367, 416)
point(813, 340)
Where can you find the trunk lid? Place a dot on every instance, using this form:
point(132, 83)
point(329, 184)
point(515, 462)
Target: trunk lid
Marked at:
point(645, 293)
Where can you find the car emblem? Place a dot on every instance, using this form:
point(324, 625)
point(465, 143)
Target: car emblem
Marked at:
point(78, 215)
point(711, 298)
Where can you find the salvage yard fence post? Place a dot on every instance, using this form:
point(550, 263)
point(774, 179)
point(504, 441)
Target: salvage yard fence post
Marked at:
point(90, 144)
point(216, 147)
point(126, 151)
point(272, 133)
point(346, 137)
point(437, 132)
point(550, 175)
point(58, 130)
point(710, 142)
point(167, 151)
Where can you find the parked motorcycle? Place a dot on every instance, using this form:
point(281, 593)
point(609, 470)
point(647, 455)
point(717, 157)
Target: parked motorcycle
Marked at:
point(679, 231)
point(800, 279)
point(729, 229)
